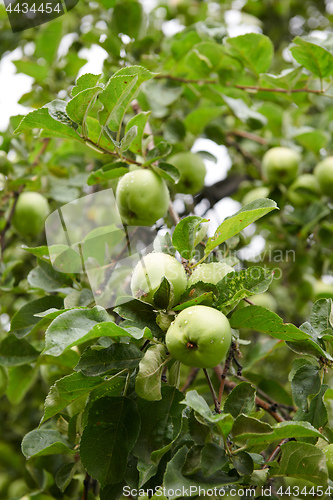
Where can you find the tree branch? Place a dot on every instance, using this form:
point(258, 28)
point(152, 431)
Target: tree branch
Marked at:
point(8, 222)
point(211, 388)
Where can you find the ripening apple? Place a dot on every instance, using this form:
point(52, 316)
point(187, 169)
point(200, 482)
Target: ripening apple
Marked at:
point(303, 190)
point(324, 174)
point(142, 197)
point(192, 172)
point(199, 337)
point(280, 165)
point(30, 213)
point(255, 194)
point(265, 299)
point(328, 450)
point(210, 273)
point(149, 272)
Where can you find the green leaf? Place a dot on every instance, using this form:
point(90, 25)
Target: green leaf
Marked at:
point(16, 352)
point(96, 361)
point(160, 151)
point(48, 40)
point(140, 120)
point(118, 93)
point(96, 136)
point(148, 380)
point(38, 71)
point(321, 316)
point(199, 293)
point(25, 320)
point(127, 18)
point(314, 58)
point(76, 326)
point(162, 295)
point(243, 463)
point(253, 50)
point(74, 386)
point(317, 414)
point(128, 138)
point(65, 475)
point(78, 107)
point(239, 221)
point(199, 118)
point(183, 238)
point(140, 315)
point(84, 82)
point(282, 430)
point(160, 424)
point(306, 381)
point(39, 443)
point(204, 58)
point(167, 171)
point(240, 284)
point(240, 400)
point(112, 430)
point(213, 458)
point(107, 172)
point(48, 279)
point(262, 320)
point(57, 110)
point(21, 379)
point(40, 118)
point(313, 140)
point(245, 114)
point(304, 461)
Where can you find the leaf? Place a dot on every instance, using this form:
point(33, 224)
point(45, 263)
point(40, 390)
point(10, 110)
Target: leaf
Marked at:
point(128, 138)
point(158, 152)
point(107, 172)
point(112, 430)
point(314, 58)
point(305, 382)
point(240, 284)
point(162, 295)
point(140, 315)
point(48, 40)
point(253, 50)
point(57, 110)
point(240, 400)
point(184, 235)
point(240, 220)
point(74, 386)
point(25, 320)
point(96, 361)
point(65, 475)
point(40, 118)
point(48, 279)
point(148, 380)
point(199, 118)
point(248, 427)
point(317, 414)
point(204, 57)
point(140, 120)
point(243, 463)
point(78, 107)
point(39, 443)
point(118, 93)
point(265, 321)
point(16, 352)
point(21, 379)
point(213, 458)
point(76, 326)
point(160, 424)
point(304, 461)
point(282, 430)
point(86, 81)
point(244, 113)
point(313, 140)
point(127, 18)
point(321, 316)
point(37, 71)
point(167, 171)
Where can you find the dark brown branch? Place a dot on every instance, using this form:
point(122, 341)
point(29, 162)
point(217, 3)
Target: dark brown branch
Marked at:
point(224, 373)
point(276, 451)
point(8, 222)
point(42, 151)
point(86, 484)
point(211, 388)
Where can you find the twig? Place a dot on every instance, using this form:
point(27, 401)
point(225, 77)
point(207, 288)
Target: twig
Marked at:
point(247, 156)
point(42, 151)
point(248, 135)
point(224, 373)
point(186, 80)
point(8, 222)
point(190, 379)
point(249, 301)
point(86, 484)
point(112, 153)
point(211, 388)
point(275, 452)
point(174, 215)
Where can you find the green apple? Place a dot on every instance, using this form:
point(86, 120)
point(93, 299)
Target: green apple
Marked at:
point(30, 213)
point(265, 299)
point(192, 172)
point(323, 290)
point(142, 197)
point(200, 337)
point(149, 272)
point(255, 194)
point(280, 165)
point(324, 174)
point(328, 450)
point(303, 190)
point(210, 273)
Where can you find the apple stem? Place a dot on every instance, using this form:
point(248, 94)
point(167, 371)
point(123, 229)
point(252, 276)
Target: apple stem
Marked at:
point(216, 401)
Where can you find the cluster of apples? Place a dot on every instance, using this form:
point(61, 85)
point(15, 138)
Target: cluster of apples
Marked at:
point(143, 196)
point(200, 336)
point(281, 165)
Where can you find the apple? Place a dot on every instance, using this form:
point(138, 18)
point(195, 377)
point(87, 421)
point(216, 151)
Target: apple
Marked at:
point(210, 273)
point(30, 213)
point(192, 172)
point(265, 299)
point(142, 197)
point(324, 174)
point(199, 337)
point(328, 450)
point(149, 272)
point(255, 194)
point(280, 165)
point(303, 190)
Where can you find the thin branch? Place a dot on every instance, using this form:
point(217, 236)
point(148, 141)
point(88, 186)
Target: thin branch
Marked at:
point(174, 215)
point(249, 301)
point(186, 80)
point(86, 484)
point(248, 135)
point(112, 153)
point(211, 388)
point(224, 374)
point(190, 379)
point(275, 452)
point(8, 222)
point(42, 151)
